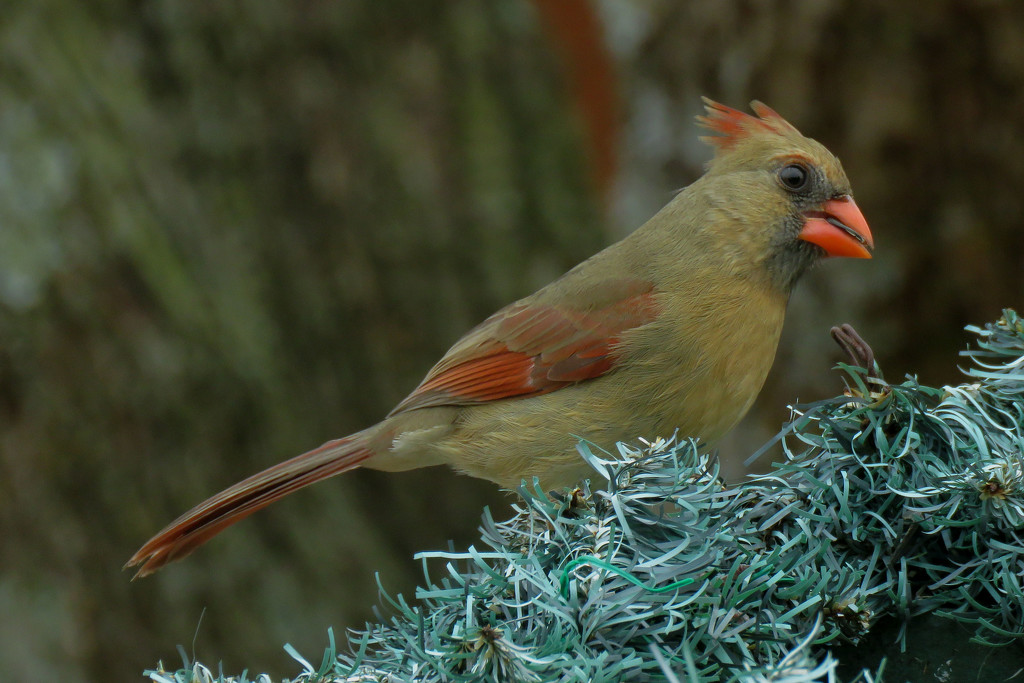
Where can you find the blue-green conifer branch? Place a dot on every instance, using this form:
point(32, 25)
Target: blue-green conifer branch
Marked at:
point(893, 500)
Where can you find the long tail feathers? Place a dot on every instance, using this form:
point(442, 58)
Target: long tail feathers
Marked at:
point(209, 518)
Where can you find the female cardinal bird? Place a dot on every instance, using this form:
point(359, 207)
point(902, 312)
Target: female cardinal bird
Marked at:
point(674, 327)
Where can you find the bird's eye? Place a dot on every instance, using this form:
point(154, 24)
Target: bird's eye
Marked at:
point(794, 177)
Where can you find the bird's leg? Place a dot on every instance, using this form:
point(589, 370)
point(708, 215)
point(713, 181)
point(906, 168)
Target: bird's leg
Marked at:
point(858, 350)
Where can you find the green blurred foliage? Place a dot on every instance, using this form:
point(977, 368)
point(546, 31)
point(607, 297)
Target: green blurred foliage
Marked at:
point(231, 231)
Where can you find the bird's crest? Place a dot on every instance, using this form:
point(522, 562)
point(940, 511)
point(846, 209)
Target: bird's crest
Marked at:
point(733, 126)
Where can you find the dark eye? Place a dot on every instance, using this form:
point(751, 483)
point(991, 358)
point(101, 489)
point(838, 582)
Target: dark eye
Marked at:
point(794, 177)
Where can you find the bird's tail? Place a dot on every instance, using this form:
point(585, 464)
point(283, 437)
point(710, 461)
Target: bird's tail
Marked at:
point(209, 518)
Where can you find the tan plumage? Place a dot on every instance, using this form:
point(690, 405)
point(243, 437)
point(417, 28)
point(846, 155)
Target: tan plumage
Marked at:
point(674, 327)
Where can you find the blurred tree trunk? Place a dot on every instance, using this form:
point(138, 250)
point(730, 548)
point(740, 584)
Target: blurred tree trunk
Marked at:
point(229, 234)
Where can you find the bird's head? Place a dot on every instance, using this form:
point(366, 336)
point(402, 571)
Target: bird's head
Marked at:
point(798, 190)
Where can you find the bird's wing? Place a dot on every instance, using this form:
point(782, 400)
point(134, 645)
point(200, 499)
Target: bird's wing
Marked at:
point(533, 347)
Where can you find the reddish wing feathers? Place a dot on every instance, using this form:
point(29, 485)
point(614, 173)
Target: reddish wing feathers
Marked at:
point(522, 350)
point(528, 349)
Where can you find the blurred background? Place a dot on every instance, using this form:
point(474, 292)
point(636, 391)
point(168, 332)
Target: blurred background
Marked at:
point(232, 231)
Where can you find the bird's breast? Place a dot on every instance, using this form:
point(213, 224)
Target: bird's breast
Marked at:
point(700, 366)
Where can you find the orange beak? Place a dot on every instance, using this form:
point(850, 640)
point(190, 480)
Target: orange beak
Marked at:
point(839, 228)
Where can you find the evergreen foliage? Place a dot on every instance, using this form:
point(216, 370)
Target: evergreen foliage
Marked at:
point(893, 500)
